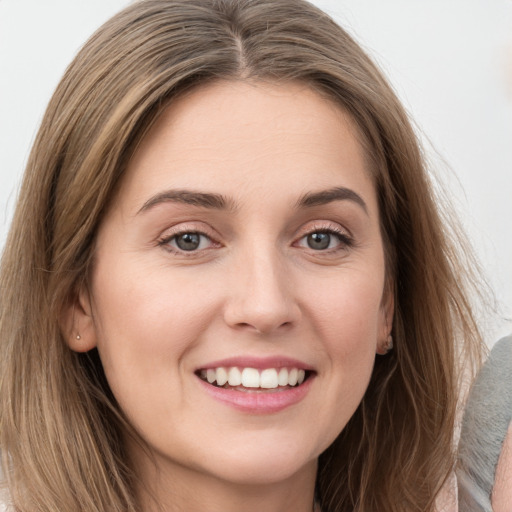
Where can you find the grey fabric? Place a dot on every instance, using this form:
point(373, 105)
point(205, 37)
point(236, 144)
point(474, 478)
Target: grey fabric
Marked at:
point(486, 420)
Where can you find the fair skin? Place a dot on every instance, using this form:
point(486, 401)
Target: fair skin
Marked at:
point(245, 234)
point(502, 491)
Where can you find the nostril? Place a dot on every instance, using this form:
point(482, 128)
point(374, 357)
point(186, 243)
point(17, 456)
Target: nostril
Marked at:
point(260, 313)
point(262, 327)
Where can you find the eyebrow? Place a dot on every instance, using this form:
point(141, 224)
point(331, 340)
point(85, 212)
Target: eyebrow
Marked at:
point(201, 199)
point(328, 196)
point(219, 202)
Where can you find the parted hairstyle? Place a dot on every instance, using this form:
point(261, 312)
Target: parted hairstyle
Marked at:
point(61, 429)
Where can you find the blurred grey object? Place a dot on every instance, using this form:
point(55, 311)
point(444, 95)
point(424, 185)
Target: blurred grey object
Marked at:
point(486, 420)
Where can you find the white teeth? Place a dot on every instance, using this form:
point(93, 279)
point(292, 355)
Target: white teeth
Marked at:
point(282, 378)
point(222, 376)
point(250, 378)
point(211, 375)
point(292, 376)
point(269, 378)
point(234, 377)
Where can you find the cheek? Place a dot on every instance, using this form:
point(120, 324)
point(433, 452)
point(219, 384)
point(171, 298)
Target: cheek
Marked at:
point(348, 311)
point(146, 324)
point(349, 343)
point(347, 319)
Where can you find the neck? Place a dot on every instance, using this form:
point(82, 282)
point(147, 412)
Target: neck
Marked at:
point(173, 489)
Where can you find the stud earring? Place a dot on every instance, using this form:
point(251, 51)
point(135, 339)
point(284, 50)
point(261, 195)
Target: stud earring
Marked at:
point(389, 343)
point(78, 337)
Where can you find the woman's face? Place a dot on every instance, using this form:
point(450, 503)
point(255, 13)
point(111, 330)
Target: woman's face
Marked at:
point(244, 244)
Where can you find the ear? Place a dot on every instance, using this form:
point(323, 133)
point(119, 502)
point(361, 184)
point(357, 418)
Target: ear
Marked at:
point(386, 321)
point(77, 322)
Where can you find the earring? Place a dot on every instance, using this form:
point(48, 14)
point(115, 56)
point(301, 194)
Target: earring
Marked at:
point(78, 337)
point(389, 343)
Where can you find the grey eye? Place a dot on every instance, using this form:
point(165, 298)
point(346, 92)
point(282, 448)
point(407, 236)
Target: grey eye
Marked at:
point(188, 241)
point(319, 241)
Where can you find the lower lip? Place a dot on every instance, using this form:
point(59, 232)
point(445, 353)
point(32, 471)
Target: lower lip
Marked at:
point(259, 402)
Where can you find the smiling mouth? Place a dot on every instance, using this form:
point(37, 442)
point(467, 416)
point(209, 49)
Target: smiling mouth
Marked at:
point(254, 380)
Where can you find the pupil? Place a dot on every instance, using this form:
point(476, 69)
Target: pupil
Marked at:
point(319, 240)
point(188, 241)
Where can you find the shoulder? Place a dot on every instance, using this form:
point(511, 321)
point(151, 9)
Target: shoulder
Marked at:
point(490, 400)
point(4, 493)
point(486, 421)
point(447, 500)
point(496, 375)
point(502, 491)
point(4, 502)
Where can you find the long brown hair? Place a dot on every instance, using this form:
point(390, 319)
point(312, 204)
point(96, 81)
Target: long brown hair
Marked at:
point(60, 426)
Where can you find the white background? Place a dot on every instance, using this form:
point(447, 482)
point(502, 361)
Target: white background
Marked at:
point(449, 60)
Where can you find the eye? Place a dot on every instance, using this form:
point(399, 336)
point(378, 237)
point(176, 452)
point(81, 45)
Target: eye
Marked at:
point(325, 239)
point(319, 241)
point(187, 241)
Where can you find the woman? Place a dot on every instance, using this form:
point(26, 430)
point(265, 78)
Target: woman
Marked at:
point(227, 285)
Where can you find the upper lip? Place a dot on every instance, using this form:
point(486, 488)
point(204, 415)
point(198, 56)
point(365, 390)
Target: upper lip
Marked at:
point(259, 363)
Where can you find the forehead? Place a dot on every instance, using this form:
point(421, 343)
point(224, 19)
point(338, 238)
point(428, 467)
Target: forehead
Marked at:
point(236, 137)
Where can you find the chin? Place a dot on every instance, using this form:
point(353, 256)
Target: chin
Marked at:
point(265, 460)
point(267, 470)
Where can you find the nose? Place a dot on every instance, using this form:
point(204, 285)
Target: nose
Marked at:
point(261, 296)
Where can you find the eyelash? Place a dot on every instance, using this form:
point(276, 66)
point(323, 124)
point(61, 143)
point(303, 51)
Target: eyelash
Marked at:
point(165, 242)
point(345, 240)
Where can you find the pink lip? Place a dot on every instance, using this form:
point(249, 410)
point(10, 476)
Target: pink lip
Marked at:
point(258, 402)
point(259, 363)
